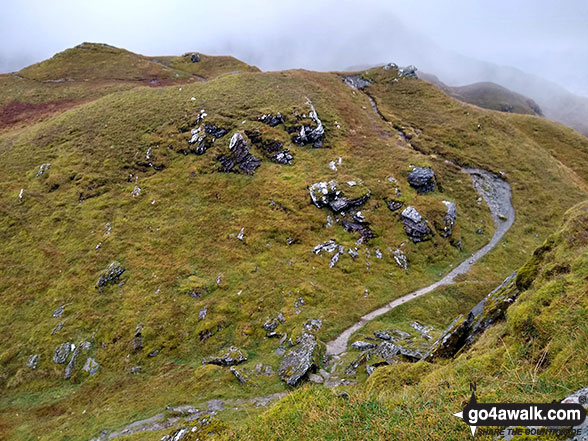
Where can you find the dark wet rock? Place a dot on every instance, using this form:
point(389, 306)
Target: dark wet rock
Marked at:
point(301, 360)
point(272, 149)
point(400, 259)
point(61, 354)
point(284, 157)
point(465, 330)
point(449, 218)
point(272, 120)
point(215, 131)
point(33, 361)
point(356, 82)
point(230, 357)
point(362, 345)
point(422, 179)
point(59, 311)
point(239, 158)
point(335, 258)
point(91, 367)
point(415, 226)
point(306, 134)
point(327, 194)
point(194, 57)
point(111, 274)
point(363, 228)
point(240, 375)
point(394, 205)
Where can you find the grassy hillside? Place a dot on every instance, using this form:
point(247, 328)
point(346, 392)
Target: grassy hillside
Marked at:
point(123, 186)
point(536, 355)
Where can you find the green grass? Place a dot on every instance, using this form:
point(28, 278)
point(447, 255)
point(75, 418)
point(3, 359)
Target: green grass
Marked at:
point(186, 238)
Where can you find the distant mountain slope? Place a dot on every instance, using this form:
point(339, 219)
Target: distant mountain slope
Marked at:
point(488, 96)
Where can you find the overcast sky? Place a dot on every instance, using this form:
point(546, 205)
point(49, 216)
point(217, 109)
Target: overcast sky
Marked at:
point(548, 38)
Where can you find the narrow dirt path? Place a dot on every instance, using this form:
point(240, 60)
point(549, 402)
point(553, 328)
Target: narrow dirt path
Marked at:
point(497, 194)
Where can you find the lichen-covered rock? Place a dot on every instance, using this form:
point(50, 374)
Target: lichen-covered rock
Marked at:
point(239, 158)
point(271, 324)
point(400, 259)
point(422, 179)
point(230, 357)
point(449, 218)
point(240, 375)
point(465, 330)
point(59, 311)
point(301, 360)
point(415, 226)
point(91, 367)
point(111, 274)
point(61, 353)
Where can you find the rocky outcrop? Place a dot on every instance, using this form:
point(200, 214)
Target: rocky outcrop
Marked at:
point(111, 274)
point(239, 159)
point(465, 330)
point(356, 81)
point(449, 218)
point(422, 179)
point(362, 345)
point(409, 71)
point(415, 225)
point(272, 149)
point(61, 353)
point(363, 228)
point(33, 361)
point(230, 357)
point(272, 120)
point(306, 134)
point(304, 357)
point(327, 194)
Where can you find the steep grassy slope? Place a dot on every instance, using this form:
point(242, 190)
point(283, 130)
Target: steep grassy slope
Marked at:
point(177, 236)
point(537, 355)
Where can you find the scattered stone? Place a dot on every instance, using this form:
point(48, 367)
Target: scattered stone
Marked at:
point(415, 226)
point(215, 131)
point(153, 353)
point(450, 218)
point(91, 367)
point(422, 179)
point(369, 370)
point(335, 258)
point(137, 342)
point(42, 169)
point(356, 82)
point(301, 360)
point(61, 354)
point(230, 357)
point(202, 313)
point(308, 135)
point(353, 253)
point(272, 120)
point(394, 205)
point(362, 345)
point(58, 327)
point(401, 259)
point(20, 195)
point(329, 246)
point(240, 375)
point(387, 351)
point(333, 166)
point(379, 254)
point(284, 157)
point(33, 361)
point(314, 378)
point(136, 191)
point(215, 405)
point(241, 234)
point(423, 330)
point(239, 157)
point(363, 228)
point(111, 274)
point(59, 311)
point(135, 370)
